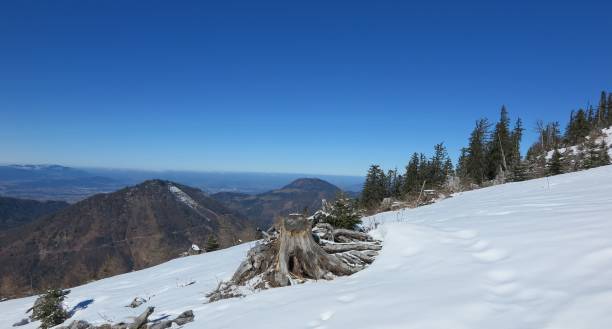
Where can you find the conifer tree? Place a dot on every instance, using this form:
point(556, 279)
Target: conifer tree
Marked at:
point(516, 138)
point(609, 111)
point(578, 129)
point(555, 165)
point(602, 111)
point(500, 144)
point(438, 166)
point(212, 244)
point(592, 154)
point(374, 188)
point(343, 213)
point(604, 155)
point(411, 176)
point(520, 171)
point(50, 310)
point(475, 160)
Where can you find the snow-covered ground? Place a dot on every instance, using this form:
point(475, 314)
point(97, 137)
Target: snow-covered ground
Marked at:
point(535, 254)
point(606, 136)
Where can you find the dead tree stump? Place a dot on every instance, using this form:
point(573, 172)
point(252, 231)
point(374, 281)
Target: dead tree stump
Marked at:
point(292, 256)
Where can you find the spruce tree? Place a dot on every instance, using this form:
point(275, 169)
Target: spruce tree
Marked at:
point(609, 111)
point(374, 188)
point(500, 146)
point(602, 111)
point(212, 244)
point(516, 138)
point(555, 165)
point(520, 171)
point(476, 161)
point(411, 176)
point(343, 213)
point(50, 310)
point(604, 155)
point(592, 154)
point(579, 128)
point(439, 166)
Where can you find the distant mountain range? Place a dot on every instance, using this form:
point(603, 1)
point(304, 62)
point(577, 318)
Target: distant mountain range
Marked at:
point(54, 182)
point(264, 208)
point(114, 233)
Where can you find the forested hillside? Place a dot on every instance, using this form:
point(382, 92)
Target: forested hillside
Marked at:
point(493, 156)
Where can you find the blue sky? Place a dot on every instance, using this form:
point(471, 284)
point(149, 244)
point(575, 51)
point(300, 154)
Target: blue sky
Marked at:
point(311, 87)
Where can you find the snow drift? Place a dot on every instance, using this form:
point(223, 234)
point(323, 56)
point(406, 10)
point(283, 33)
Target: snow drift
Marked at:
point(535, 254)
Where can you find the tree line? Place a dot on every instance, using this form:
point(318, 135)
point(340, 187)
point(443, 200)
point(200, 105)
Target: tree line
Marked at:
point(493, 156)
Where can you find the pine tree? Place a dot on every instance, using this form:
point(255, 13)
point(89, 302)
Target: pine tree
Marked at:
point(343, 213)
point(555, 165)
point(569, 161)
point(500, 146)
point(604, 155)
point(520, 171)
point(212, 244)
point(411, 176)
point(516, 138)
point(475, 160)
point(374, 188)
point(439, 166)
point(578, 128)
point(393, 184)
point(592, 154)
point(50, 309)
point(602, 111)
point(609, 111)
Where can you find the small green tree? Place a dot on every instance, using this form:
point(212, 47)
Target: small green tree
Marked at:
point(555, 164)
point(212, 244)
point(520, 171)
point(49, 309)
point(604, 156)
point(343, 213)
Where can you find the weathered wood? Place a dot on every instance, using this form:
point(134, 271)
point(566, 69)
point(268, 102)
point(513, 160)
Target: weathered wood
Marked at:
point(352, 234)
point(293, 256)
point(342, 247)
point(141, 321)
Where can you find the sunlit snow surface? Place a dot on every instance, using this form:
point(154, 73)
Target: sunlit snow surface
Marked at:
point(536, 254)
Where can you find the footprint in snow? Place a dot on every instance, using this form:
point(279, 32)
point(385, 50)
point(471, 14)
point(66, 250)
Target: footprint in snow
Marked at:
point(346, 298)
point(465, 234)
point(410, 251)
point(505, 289)
point(501, 276)
point(327, 315)
point(479, 245)
point(490, 255)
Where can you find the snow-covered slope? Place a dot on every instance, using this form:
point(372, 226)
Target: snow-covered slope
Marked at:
point(606, 136)
point(535, 254)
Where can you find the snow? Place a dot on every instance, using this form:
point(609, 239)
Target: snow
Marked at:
point(606, 135)
point(534, 254)
point(183, 197)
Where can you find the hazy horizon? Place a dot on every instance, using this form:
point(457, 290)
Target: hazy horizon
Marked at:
point(273, 86)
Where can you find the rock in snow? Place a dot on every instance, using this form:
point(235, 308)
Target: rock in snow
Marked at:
point(535, 254)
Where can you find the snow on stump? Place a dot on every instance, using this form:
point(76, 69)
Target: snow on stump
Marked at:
point(293, 256)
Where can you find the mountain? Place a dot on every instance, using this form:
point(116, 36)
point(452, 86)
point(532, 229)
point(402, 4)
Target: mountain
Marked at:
point(263, 208)
point(15, 212)
point(215, 182)
point(533, 254)
point(108, 234)
point(53, 182)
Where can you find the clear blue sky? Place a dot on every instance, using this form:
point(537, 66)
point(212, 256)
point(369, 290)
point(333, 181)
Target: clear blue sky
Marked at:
point(286, 86)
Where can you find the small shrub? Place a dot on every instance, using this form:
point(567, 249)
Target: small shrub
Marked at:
point(343, 213)
point(49, 309)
